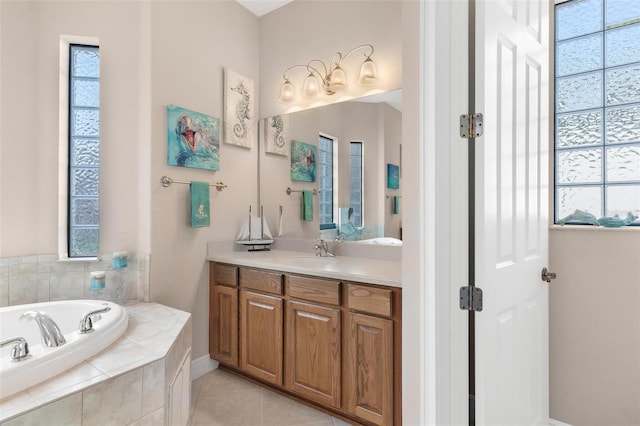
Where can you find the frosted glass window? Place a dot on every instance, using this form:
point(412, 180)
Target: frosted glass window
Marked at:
point(580, 166)
point(355, 182)
point(622, 45)
point(583, 91)
point(325, 180)
point(585, 198)
point(623, 163)
point(579, 129)
point(578, 17)
point(579, 55)
point(623, 85)
point(84, 151)
point(597, 99)
point(623, 124)
point(620, 12)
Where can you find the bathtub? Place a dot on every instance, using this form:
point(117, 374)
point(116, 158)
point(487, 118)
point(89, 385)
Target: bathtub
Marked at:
point(46, 362)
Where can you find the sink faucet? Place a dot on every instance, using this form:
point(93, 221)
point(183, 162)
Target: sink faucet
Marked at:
point(51, 335)
point(322, 249)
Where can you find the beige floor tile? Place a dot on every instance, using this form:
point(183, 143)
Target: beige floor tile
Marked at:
point(218, 381)
point(279, 410)
point(196, 386)
point(232, 409)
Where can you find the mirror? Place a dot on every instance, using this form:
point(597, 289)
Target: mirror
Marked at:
point(372, 123)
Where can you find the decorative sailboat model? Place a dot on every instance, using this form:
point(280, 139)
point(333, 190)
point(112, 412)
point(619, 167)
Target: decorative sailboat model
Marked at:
point(255, 233)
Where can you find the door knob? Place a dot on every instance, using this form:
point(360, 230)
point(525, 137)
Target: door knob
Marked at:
point(547, 275)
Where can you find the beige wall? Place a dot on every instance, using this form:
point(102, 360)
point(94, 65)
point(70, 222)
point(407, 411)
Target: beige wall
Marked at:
point(594, 327)
point(152, 55)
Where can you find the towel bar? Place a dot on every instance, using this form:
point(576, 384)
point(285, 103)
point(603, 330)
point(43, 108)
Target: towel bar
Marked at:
point(166, 181)
point(289, 191)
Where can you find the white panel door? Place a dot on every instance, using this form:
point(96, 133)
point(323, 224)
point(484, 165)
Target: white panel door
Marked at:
point(511, 248)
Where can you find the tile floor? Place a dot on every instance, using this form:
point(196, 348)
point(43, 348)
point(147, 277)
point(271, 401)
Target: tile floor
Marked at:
point(220, 398)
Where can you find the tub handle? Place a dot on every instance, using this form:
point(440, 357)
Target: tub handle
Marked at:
point(20, 349)
point(86, 323)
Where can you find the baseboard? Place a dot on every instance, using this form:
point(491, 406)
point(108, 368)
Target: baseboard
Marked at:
point(553, 422)
point(203, 365)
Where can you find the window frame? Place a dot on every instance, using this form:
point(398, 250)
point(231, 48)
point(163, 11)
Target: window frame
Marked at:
point(361, 143)
point(64, 160)
point(604, 183)
point(334, 187)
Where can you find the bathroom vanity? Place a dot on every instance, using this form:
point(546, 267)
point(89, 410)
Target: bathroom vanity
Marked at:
point(324, 330)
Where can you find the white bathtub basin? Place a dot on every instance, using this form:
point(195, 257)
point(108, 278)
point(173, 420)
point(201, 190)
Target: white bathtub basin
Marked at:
point(45, 362)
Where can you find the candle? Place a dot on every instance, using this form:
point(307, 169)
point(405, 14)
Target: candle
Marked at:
point(119, 259)
point(97, 280)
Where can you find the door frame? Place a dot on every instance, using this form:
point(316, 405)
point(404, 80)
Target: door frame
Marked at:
point(435, 259)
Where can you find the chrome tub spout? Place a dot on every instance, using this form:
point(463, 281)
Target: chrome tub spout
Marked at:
point(51, 335)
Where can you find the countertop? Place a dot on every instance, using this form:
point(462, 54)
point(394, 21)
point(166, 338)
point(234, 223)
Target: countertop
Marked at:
point(349, 268)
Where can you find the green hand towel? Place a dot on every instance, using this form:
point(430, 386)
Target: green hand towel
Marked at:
point(396, 204)
point(199, 204)
point(307, 205)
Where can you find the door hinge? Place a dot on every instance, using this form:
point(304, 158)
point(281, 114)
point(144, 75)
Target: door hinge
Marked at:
point(470, 125)
point(471, 298)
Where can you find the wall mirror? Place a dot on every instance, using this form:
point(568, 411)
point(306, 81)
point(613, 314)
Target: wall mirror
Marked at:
point(353, 149)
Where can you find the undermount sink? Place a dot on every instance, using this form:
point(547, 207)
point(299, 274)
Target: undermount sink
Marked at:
point(308, 261)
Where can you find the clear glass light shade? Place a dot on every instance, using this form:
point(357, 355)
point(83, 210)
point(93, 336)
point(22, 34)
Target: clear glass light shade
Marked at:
point(368, 72)
point(287, 92)
point(338, 79)
point(310, 87)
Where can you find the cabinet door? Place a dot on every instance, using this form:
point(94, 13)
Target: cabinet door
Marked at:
point(261, 336)
point(223, 332)
point(312, 353)
point(368, 369)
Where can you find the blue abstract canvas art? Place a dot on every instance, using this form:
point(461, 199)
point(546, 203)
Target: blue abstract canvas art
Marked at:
point(303, 161)
point(393, 176)
point(193, 139)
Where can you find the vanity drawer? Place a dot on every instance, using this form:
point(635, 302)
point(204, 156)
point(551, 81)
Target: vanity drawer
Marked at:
point(266, 281)
point(225, 274)
point(313, 289)
point(372, 300)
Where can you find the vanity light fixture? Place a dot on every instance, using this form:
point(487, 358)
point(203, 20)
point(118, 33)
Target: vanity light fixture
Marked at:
point(333, 76)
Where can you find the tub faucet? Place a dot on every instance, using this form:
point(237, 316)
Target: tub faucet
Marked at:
point(20, 349)
point(51, 335)
point(86, 323)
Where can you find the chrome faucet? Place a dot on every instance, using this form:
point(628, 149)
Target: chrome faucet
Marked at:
point(20, 349)
point(86, 323)
point(322, 249)
point(51, 335)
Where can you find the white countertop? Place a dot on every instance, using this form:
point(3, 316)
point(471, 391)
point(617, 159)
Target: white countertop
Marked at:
point(349, 268)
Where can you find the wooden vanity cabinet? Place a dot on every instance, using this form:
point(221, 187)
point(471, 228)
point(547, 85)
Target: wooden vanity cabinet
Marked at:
point(371, 359)
point(332, 343)
point(313, 339)
point(261, 324)
point(223, 313)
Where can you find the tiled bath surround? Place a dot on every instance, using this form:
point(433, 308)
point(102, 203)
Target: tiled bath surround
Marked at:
point(126, 384)
point(44, 278)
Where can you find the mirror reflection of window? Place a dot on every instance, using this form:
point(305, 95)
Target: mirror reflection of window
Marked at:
point(355, 183)
point(325, 181)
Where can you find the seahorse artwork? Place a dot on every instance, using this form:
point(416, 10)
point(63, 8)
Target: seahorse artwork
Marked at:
point(277, 134)
point(242, 111)
point(277, 124)
point(239, 109)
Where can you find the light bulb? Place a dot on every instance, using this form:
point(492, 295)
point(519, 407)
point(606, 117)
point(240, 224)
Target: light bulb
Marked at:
point(310, 87)
point(287, 92)
point(368, 72)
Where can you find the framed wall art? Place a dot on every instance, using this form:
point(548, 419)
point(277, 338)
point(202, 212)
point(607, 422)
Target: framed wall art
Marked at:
point(276, 135)
point(239, 109)
point(303, 161)
point(193, 139)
